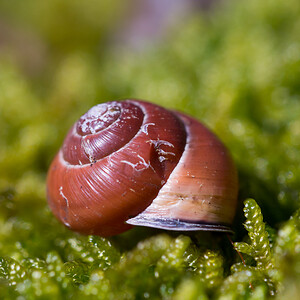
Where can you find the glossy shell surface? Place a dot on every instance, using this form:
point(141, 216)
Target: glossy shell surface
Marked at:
point(135, 163)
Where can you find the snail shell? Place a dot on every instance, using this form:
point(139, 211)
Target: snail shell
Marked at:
point(135, 163)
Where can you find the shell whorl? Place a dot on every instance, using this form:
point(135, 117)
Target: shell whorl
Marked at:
point(133, 162)
point(102, 175)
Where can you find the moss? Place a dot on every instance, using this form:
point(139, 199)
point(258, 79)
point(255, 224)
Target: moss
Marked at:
point(236, 68)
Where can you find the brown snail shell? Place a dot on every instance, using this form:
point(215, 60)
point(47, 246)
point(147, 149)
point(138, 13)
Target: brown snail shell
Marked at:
point(135, 163)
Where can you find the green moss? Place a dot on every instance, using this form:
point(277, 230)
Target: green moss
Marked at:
point(236, 68)
point(259, 248)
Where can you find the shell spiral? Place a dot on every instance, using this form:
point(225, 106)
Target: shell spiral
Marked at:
point(135, 163)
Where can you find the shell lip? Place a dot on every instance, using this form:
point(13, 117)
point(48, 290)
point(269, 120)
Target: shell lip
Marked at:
point(178, 225)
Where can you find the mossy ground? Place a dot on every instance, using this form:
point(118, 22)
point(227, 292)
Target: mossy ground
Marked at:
point(237, 68)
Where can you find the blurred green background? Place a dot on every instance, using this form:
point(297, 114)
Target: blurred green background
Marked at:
point(235, 65)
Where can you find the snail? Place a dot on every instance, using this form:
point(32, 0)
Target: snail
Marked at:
point(131, 162)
